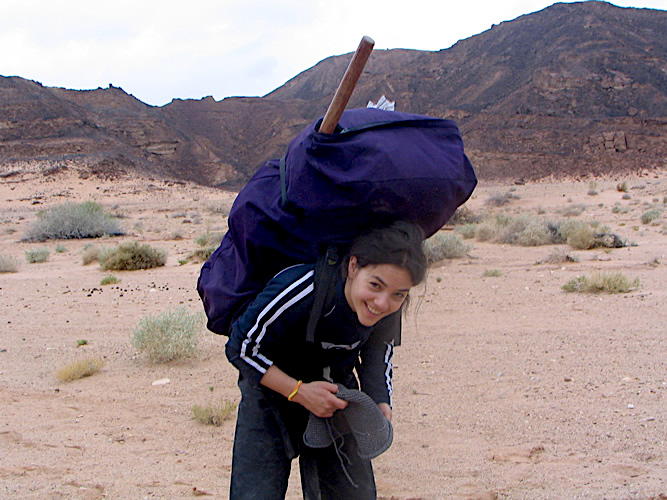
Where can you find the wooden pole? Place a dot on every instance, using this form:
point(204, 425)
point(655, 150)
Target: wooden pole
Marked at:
point(346, 86)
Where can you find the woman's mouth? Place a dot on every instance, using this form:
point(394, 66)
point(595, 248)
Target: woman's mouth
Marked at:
point(374, 312)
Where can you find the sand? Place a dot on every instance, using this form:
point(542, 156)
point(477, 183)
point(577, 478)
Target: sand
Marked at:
point(505, 386)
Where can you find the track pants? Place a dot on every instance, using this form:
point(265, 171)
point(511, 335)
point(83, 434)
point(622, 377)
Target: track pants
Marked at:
point(269, 434)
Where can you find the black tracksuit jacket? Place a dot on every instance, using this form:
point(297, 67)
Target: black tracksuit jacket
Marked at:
point(272, 330)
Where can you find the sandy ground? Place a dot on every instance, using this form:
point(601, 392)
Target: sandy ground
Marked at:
point(506, 386)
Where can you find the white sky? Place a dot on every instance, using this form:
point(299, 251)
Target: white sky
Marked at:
point(158, 50)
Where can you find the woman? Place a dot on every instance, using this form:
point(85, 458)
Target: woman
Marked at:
point(283, 378)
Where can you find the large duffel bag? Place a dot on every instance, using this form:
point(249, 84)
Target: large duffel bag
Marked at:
point(377, 167)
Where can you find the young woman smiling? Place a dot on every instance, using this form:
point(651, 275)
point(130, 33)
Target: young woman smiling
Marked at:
point(283, 378)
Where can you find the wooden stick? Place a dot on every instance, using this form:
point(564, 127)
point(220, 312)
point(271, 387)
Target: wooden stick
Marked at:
point(346, 86)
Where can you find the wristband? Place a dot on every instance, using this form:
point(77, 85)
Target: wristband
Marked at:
point(296, 389)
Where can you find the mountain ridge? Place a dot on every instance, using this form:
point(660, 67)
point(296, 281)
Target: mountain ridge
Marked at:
point(571, 90)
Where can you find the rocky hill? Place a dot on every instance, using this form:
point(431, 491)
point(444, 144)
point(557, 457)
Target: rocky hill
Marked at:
point(575, 89)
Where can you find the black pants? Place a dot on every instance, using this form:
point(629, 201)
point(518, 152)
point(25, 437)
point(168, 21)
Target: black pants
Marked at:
point(269, 434)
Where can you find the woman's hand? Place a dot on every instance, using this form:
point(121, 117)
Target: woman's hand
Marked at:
point(319, 398)
point(386, 410)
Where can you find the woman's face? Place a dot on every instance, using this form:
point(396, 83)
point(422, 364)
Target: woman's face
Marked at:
point(376, 291)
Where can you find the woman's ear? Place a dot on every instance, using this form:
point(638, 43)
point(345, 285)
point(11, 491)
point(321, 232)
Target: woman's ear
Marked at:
point(352, 267)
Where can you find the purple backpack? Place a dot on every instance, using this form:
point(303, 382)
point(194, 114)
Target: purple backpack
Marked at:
point(376, 168)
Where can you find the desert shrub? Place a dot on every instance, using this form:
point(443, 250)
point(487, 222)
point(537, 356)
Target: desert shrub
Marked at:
point(651, 215)
point(534, 233)
point(467, 231)
point(37, 255)
point(61, 249)
point(214, 413)
point(169, 336)
point(464, 215)
point(73, 220)
point(492, 273)
point(520, 230)
point(572, 210)
point(622, 187)
point(90, 254)
point(445, 246)
point(8, 264)
point(592, 188)
point(207, 242)
point(602, 283)
point(131, 256)
point(109, 280)
point(79, 369)
point(559, 257)
point(499, 200)
point(577, 234)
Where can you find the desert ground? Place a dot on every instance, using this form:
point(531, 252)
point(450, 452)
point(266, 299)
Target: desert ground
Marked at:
point(506, 386)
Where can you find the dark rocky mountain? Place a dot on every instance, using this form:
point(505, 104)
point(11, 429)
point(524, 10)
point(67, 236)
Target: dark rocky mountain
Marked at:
point(575, 89)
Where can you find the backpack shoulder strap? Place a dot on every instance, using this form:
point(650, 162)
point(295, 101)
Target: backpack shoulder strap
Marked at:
point(326, 273)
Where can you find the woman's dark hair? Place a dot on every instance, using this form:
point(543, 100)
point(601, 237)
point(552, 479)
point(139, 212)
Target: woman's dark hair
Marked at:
point(399, 244)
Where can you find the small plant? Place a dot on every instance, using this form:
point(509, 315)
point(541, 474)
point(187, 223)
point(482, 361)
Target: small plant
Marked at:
point(61, 249)
point(577, 234)
point(651, 215)
point(8, 264)
point(573, 210)
point(464, 215)
point(622, 187)
point(214, 413)
point(79, 369)
point(467, 231)
point(559, 257)
point(592, 188)
point(90, 254)
point(445, 246)
point(81, 342)
point(131, 256)
point(37, 255)
point(73, 221)
point(207, 242)
point(499, 200)
point(492, 273)
point(626, 196)
point(109, 280)
point(169, 336)
point(602, 283)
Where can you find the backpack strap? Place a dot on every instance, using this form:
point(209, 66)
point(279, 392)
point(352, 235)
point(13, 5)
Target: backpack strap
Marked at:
point(326, 274)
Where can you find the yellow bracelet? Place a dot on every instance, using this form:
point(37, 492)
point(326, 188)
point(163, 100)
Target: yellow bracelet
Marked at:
point(296, 389)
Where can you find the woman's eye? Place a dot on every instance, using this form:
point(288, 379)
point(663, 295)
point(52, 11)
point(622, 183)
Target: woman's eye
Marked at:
point(375, 285)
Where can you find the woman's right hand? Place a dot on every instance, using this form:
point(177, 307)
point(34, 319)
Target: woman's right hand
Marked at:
point(319, 398)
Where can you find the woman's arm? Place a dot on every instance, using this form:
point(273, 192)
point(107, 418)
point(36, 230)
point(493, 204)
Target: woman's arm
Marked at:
point(317, 397)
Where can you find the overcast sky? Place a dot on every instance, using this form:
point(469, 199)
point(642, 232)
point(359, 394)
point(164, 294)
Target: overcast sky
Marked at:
point(164, 49)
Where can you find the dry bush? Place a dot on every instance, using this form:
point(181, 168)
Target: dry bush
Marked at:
point(79, 369)
point(499, 200)
point(214, 413)
point(90, 254)
point(8, 264)
point(109, 280)
point(445, 246)
point(559, 257)
point(464, 215)
point(73, 220)
point(602, 283)
point(131, 256)
point(651, 215)
point(37, 255)
point(169, 336)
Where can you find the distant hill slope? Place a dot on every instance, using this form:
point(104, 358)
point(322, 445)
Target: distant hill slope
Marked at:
point(575, 89)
